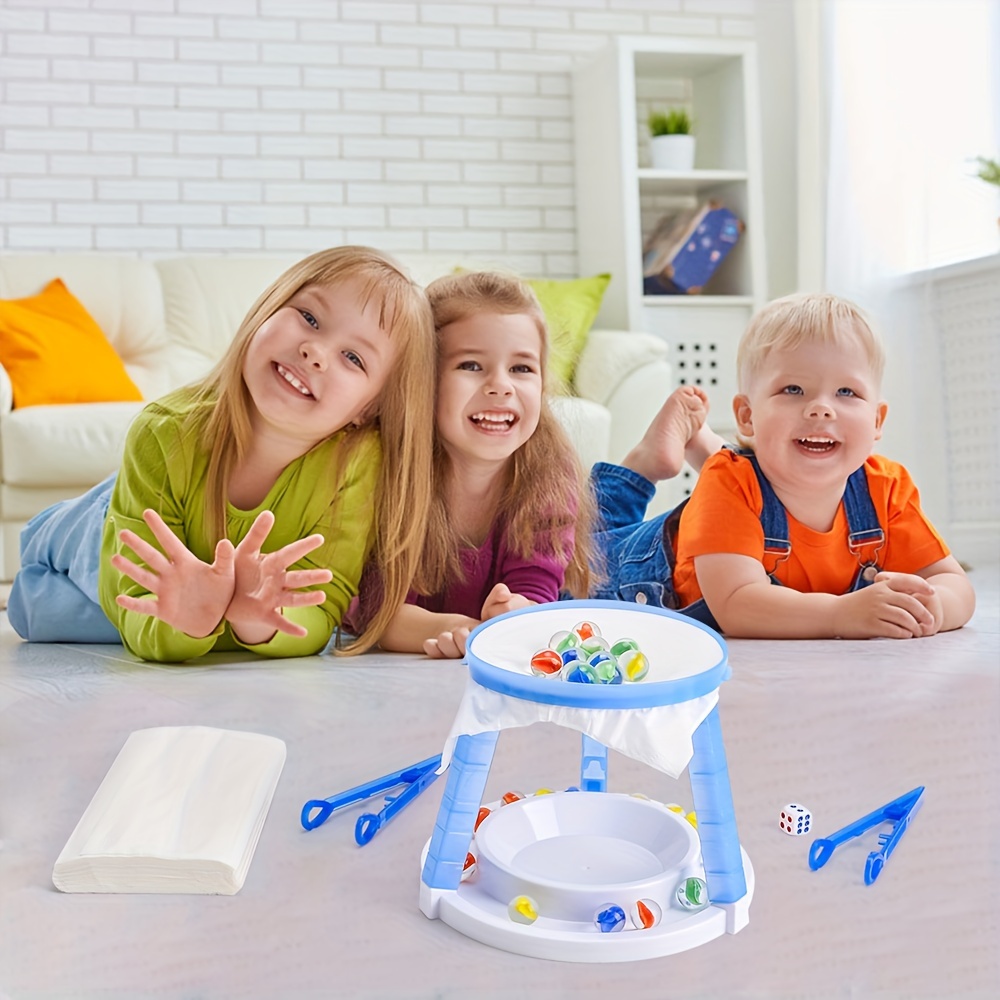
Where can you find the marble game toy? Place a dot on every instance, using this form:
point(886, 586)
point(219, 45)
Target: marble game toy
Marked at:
point(585, 874)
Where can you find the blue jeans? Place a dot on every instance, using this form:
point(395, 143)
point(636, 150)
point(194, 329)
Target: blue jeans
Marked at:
point(635, 560)
point(55, 597)
point(638, 554)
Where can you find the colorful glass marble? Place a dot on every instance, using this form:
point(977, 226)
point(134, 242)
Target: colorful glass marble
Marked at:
point(610, 918)
point(522, 910)
point(595, 643)
point(469, 868)
point(483, 813)
point(562, 641)
point(692, 894)
point(623, 646)
point(634, 664)
point(546, 662)
point(645, 913)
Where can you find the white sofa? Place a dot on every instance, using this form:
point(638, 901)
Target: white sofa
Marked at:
point(169, 320)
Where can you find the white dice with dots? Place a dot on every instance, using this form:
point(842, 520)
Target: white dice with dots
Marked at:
point(795, 819)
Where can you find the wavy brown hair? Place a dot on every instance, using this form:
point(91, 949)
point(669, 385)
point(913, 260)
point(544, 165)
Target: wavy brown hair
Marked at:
point(545, 504)
point(403, 413)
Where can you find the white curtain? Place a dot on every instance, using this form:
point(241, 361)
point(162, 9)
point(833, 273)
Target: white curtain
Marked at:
point(897, 99)
point(913, 91)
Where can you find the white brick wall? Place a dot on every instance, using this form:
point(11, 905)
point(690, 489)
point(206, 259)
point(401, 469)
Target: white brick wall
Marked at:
point(160, 127)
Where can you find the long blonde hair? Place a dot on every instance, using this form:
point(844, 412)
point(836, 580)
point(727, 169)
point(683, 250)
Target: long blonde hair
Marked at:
point(403, 412)
point(544, 497)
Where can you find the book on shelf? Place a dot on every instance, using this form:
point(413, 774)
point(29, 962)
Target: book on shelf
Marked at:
point(686, 248)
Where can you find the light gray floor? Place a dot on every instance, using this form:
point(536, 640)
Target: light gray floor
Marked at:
point(840, 726)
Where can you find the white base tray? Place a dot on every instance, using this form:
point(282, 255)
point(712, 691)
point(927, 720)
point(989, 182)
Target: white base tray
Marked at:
point(649, 846)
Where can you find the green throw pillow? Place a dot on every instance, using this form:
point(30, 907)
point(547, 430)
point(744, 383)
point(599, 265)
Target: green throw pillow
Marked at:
point(570, 308)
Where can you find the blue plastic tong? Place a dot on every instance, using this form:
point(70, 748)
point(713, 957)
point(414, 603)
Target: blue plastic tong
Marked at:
point(416, 777)
point(899, 812)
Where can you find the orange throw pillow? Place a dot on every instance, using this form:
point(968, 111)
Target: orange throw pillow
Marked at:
point(54, 352)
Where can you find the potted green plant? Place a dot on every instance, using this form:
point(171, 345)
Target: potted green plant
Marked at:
point(989, 171)
point(671, 139)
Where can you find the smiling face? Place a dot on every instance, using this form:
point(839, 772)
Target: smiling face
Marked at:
point(489, 387)
point(317, 364)
point(812, 414)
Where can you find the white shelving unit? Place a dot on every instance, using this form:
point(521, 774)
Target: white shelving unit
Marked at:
point(620, 198)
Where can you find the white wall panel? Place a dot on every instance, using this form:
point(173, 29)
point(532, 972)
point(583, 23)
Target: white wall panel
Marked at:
point(258, 125)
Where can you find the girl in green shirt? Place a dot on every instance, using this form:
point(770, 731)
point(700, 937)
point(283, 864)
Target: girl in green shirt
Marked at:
point(246, 504)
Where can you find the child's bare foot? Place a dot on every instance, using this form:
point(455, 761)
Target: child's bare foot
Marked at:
point(704, 444)
point(660, 453)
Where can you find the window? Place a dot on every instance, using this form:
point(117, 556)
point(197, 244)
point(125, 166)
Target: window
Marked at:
point(915, 98)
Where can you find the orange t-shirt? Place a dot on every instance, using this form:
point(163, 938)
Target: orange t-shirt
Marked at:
point(723, 515)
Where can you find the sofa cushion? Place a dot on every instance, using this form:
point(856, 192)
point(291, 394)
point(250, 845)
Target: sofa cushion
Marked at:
point(588, 425)
point(570, 308)
point(204, 300)
point(612, 356)
point(121, 293)
point(54, 352)
point(71, 445)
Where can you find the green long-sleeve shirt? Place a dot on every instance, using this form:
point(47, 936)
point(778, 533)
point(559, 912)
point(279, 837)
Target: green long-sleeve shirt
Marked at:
point(164, 468)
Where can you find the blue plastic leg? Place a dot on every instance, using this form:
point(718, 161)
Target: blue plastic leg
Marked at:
point(713, 802)
point(593, 766)
point(460, 804)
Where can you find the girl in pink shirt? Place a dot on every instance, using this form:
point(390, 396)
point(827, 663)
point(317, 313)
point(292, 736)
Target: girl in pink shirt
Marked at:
point(511, 517)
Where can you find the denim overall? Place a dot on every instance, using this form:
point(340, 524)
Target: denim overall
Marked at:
point(640, 555)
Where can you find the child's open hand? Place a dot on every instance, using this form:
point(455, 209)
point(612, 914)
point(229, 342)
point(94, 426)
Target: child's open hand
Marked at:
point(264, 584)
point(500, 600)
point(895, 606)
point(189, 595)
point(448, 645)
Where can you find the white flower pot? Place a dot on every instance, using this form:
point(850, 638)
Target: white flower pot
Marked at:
point(672, 152)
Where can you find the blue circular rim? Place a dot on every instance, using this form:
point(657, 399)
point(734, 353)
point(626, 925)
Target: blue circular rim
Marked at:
point(547, 691)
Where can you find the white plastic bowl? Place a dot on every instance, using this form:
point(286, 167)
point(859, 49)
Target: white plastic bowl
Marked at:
point(573, 852)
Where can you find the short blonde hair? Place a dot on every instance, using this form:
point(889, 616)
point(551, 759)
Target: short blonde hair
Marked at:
point(805, 318)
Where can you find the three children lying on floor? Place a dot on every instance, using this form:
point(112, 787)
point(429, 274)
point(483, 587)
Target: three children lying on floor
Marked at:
point(313, 467)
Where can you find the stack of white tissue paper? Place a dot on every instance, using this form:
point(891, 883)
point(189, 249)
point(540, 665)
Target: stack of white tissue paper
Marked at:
point(180, 810)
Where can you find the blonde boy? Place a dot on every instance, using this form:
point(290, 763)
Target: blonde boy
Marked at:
point(808, 506)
